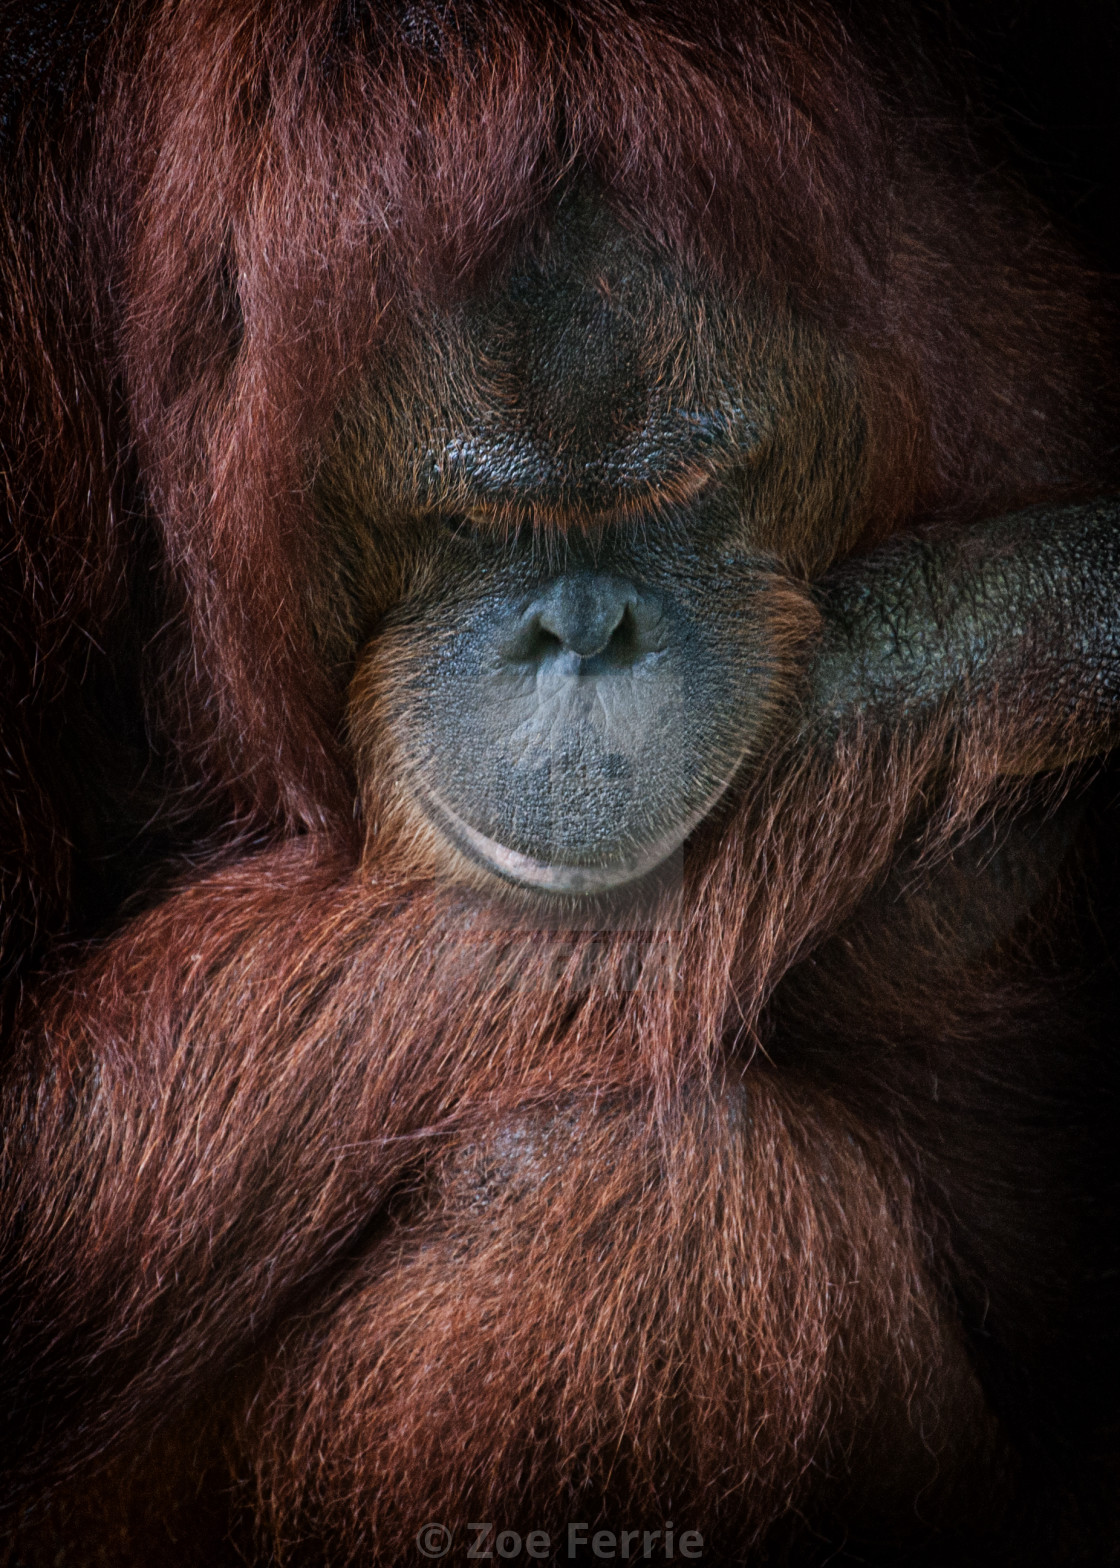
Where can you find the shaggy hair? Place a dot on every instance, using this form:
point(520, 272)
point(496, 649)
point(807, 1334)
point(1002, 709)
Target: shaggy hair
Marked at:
point(328, 1188)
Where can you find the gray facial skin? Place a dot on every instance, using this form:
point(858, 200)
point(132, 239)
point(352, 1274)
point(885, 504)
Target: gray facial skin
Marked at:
point(569, 729)
point(628, 498)
point(581, 657)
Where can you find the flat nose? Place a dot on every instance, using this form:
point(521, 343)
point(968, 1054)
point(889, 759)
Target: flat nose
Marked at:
point(582, 612)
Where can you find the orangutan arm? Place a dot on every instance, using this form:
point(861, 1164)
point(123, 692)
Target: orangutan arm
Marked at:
point(1018, 617)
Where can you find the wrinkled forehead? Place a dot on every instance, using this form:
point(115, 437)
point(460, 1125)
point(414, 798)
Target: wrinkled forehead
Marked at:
point(592, 372)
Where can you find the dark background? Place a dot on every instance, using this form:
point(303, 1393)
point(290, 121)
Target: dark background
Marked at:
point(1049, 72)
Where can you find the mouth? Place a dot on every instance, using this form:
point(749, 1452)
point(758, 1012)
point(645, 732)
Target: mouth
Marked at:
point(565, 740)
point(573, 879)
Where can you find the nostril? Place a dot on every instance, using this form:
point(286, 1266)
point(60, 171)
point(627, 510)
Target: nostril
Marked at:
point(589, 620)
point(623, 633)
point(584, 614)
point(543, 640)
point(586, 637)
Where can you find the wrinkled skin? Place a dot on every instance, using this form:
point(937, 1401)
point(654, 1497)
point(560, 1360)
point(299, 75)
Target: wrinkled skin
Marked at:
point(676, 1084)
point(587, 541)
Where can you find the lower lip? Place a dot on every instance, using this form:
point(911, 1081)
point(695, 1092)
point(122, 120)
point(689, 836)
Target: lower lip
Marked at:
point(543, 877)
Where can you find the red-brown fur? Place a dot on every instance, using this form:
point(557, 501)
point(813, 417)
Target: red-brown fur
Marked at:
point(387, 1213)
